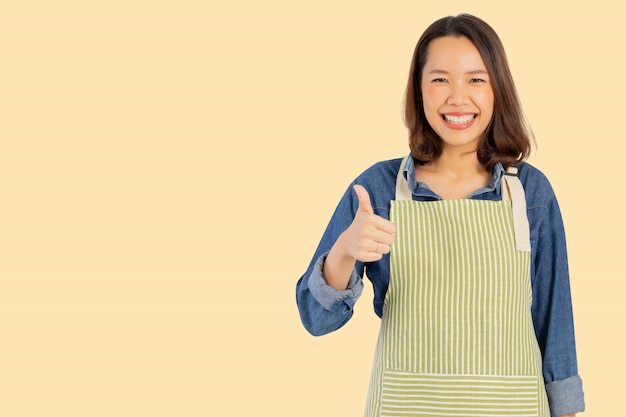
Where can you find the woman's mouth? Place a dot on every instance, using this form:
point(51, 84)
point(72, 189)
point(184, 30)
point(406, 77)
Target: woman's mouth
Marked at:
point(459, 120)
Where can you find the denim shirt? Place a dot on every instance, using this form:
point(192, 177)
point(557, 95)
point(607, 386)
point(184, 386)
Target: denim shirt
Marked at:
point(324, 309)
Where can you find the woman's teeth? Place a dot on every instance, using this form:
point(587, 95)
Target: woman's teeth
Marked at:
point(459, 120)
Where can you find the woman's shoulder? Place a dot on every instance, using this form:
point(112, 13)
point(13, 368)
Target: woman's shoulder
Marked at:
point(385, 167)
point(536, 184)
point(380, 172)
point(380, 181)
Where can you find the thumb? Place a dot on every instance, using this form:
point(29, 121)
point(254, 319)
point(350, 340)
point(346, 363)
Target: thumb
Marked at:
point(364, 199)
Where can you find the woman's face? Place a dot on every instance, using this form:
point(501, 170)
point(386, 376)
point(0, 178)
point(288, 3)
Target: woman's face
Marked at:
point(457, 94)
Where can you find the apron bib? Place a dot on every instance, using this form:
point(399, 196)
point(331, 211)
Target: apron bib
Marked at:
point(456, 335)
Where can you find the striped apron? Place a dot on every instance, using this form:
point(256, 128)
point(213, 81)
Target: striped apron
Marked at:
point(456, 336)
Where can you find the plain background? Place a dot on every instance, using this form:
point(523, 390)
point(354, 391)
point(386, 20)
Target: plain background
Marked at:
point(167, 168)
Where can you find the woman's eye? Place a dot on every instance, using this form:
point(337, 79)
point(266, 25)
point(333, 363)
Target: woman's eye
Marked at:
point(477, 80)
point(439, 80)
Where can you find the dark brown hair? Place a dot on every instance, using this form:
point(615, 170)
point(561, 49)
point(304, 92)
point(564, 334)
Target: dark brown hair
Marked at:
point(508, 136)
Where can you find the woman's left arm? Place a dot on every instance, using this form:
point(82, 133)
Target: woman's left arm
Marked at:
point(552, 304)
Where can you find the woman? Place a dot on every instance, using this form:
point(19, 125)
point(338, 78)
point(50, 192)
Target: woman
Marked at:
point(464, 245)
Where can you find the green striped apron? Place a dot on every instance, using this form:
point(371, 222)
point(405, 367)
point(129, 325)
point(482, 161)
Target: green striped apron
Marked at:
point(456, 336)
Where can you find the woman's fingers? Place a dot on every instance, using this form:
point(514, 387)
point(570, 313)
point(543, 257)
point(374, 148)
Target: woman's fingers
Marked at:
point(371, 235)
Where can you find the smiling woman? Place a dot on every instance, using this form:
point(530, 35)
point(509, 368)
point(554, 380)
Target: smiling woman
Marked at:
point(458, 105)
point(464, 245)
point(472, 47)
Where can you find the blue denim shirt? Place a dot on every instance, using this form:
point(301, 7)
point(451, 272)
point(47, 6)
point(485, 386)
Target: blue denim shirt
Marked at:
point(324, 309)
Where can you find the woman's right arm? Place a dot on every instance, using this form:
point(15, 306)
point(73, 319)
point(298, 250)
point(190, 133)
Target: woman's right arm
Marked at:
point(327, 292)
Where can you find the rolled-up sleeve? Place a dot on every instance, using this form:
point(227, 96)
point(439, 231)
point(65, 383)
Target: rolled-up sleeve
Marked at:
point(330, 298)
point(566, 396)
point(322, 308)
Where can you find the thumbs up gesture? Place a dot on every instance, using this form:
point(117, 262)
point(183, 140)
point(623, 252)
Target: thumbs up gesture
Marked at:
point(367, 239)
point(369, 236)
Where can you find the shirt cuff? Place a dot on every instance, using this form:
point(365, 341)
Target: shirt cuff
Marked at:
point(566, 396)
point(330, 298)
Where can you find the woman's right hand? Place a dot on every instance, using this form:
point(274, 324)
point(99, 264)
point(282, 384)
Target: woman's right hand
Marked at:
point(369, 236)
point(367, 239)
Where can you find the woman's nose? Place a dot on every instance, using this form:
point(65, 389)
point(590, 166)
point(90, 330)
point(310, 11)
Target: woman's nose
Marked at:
point(458, 96)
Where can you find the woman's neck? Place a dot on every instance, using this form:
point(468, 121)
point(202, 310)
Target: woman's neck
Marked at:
point(457, 163)
point(454, 175)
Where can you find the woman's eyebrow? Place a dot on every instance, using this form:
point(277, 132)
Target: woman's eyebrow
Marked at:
point(473, 72)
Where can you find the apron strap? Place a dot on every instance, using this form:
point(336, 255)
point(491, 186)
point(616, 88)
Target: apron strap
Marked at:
point(402, 187)
point(512, 190)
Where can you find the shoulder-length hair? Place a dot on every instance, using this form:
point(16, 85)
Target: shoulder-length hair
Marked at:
point(508, 136)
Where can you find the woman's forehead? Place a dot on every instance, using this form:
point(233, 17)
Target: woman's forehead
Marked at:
point(449, 53)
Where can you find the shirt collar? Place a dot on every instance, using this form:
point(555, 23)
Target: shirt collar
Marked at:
point(421, 190)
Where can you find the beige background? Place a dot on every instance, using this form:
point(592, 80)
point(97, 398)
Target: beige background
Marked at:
point(167, 168)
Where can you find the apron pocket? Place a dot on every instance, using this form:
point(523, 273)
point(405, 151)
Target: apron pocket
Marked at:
point(409, 394)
